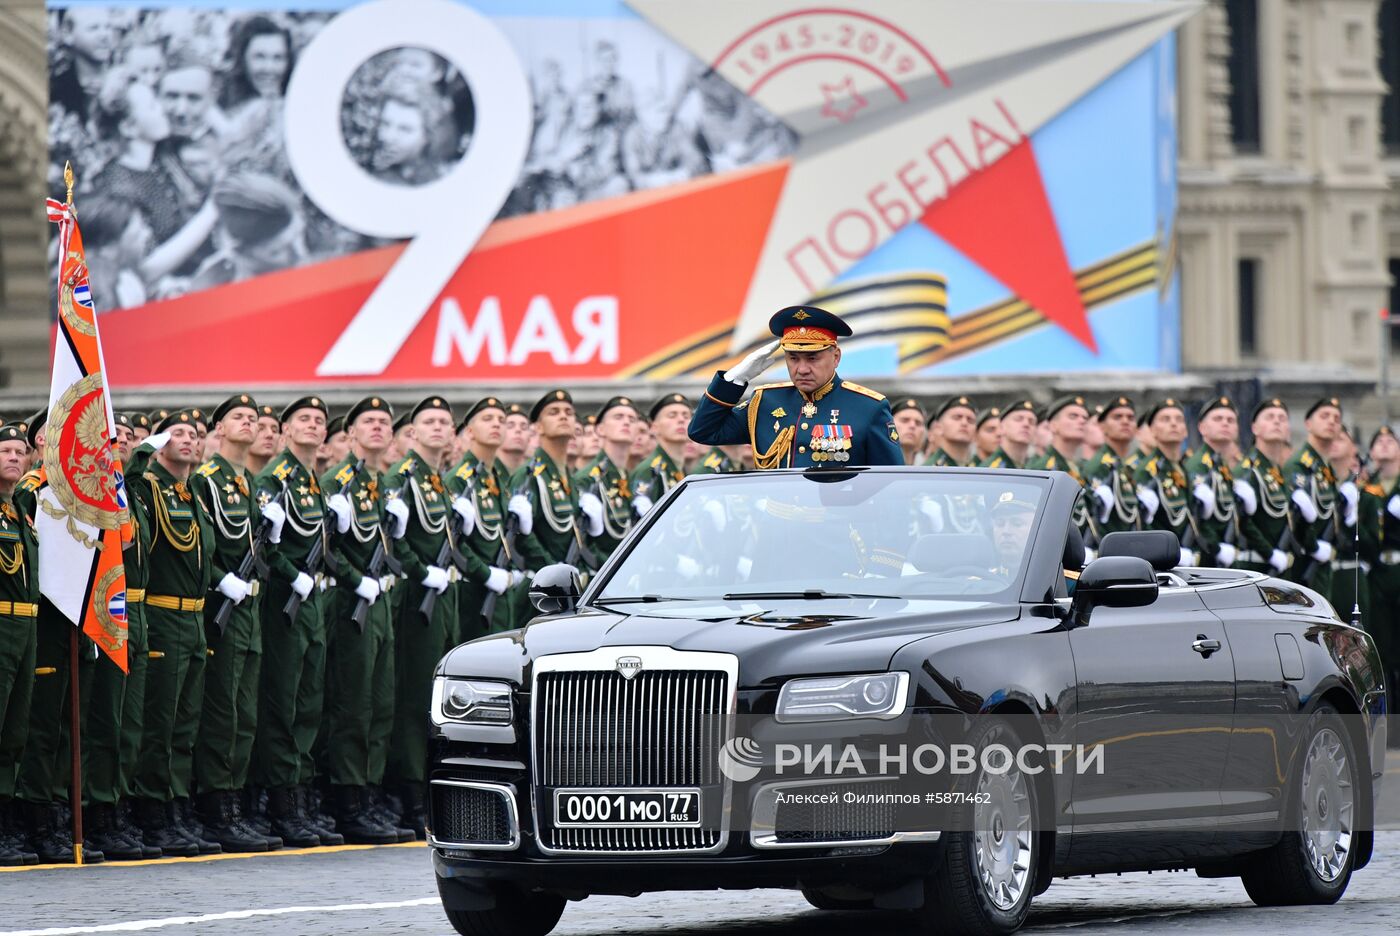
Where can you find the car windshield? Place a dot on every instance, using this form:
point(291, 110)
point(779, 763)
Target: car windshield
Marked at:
point(833, 537)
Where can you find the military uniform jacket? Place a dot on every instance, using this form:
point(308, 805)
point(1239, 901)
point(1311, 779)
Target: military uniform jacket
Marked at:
point(305, 507)
point(1309, 472)
point(350, 554)
point(1167, 479)
point(716, 462)
point(614, 489)
point(1263, 530)
point(489, 492)
point(182, 543)
point(941, 459)
point(554, 500)
point(656, 475)
point(1107, 468)
point(1085, 513)
point(429, 502)
point(999, 459)
point(1222, 525)
point(226, 492)
point(19, 553)
point(843, 424)
point(1380, 530)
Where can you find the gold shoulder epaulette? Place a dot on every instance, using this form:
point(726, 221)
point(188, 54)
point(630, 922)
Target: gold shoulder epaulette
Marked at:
point(208, 469)
point(863, 391)
point(344, 475)
point(711, 461)
point(774, 386)
point(1206, 460)
point(465, 471)
point(1151, 467)
point(995, 462)
point(282, 470)
point(1305, 459)
point(30, 481)
point(539, 469)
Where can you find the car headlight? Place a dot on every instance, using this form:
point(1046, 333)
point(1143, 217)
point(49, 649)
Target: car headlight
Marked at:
point(878, 695)
point(471, 701)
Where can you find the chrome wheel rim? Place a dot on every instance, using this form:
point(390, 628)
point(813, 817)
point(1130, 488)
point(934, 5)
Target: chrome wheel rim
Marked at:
point(1003, 836)
point(1328, 805)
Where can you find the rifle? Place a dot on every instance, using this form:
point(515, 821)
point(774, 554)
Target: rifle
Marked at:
point(382, 558)
point(577, 549)
point(252, 559)
point(317, 551)
point(506, 556)
point(447, 553)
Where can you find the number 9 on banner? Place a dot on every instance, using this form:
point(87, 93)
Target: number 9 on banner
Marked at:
point(445, 217)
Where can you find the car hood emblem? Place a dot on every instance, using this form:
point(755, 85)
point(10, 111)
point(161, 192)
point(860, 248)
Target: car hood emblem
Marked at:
point(629, 666)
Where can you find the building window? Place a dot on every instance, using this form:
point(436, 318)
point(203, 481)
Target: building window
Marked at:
point(1243, 16)
point(1394, 307)
point(1247, 309)
point(1390, 74)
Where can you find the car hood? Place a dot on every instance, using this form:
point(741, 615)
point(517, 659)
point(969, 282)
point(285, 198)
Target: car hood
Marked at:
point(773, 639)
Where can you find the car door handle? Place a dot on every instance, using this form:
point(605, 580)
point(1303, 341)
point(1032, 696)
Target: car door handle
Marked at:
point(1204, 646)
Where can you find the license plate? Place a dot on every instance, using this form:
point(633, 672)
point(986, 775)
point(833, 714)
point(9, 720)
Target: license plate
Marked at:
point(626, 809)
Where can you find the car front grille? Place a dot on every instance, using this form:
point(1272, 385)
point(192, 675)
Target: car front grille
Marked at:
point(838, 821)
point(466, 814)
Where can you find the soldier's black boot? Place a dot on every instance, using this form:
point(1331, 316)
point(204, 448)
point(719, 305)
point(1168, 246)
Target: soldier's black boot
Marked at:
point(354, 822)
point(415, 811)
point(286, 821)
point(128, 830)
point(43, 838)
point(216, 811)
point(181, 812)
point(327, 835)
point(13, 854)
point(100, 832)
point(158, 831)
point(376, 806)
point(255, 809)
point(239, 822)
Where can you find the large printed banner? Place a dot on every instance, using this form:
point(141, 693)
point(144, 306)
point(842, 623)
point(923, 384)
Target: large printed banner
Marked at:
point(433, 191)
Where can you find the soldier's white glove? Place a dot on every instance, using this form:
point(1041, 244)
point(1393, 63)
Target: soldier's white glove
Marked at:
point(744, 567)
point(1392, 506)
point(1188, 559)
point(159, 440)
point(1352, 496)
point(1306, 507)
point(715, 510)
point(1147, 499)
point(1324, 552)
point(398, 510)
point(275, 515)
point(592, 508)
point(934, 511)
point(753, 365)
point(234, 588)
point(436, 579)
point(516, 577)
point(498, 581)
point(1105, 495)
point(1245, 495)
point(687, 567)
point(641, 504)
point(1206, 496)
point(339, 505)
point(1226, 555)
point(368, 589)
point(524, 513)
point(1278, 560)
point(465, 509)
point(302, 585)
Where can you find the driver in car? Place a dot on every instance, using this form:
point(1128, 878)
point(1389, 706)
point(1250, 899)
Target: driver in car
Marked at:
point(1012, 519)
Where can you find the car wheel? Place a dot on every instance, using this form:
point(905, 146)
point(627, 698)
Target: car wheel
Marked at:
point(515, 914)
point(824, 902)
point(987, 879)
point(1312, 863)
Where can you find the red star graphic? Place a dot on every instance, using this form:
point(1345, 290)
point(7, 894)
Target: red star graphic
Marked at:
point(843, 101)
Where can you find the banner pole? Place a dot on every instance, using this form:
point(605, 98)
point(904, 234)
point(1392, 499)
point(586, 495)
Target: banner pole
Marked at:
point(75, 794)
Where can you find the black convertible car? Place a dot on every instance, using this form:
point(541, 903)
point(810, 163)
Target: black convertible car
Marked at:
point(627, 741)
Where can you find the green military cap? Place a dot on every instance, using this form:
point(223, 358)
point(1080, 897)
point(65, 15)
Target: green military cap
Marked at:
point(1065, 402)
point(553, 396)
point(953, 402)
point(335, 424)
point(403, 419)
point(184, 417)
point(1022, 404)
point(908, 403)
point(232, 403)
point(1008, 502)
point(591, 419)
point(430, 403)
point(1382, 431)
point(485, 403)
point(36, 422)
point(266, 411)
point(157, 415)
point(139, 420)
point(1270, 403)
point(1118, 402)
point(515, 409)
point(991, 412)
point(1165, 404)
point(13, 432)
point(2, 420)
point(616, 402)
point(199, 416)
point(1331, 401)
point(1215, 403)
point(372, 404)
point(122, 419)
point(669, 399)
point(306, 402)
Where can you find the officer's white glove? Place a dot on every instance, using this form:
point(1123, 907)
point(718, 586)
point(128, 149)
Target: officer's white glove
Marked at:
point(1324, 552)
point(436, 579)
point(1306, 507)
point(275, 515)
point(1188, 558)
point(715, 510)
point(592, 507)
point(339, 505)
point(753, 365)
point(1105, 495)
point(302, 585)
point(744, 567)
point(524, 514)
point(234, 588)
point(1147, 499)
point(465, 509)
point(934, 511)
point(641, 504)
point(516, 577)
point(1245, 495)
point(1206, 496)
point(368, 589)
point(1278, 560)
point(159, 440)
point(687, 567)
point(1392, 506)
point(1226, 555)
point(498, 581)
point(1352, 496)
point(398, 510)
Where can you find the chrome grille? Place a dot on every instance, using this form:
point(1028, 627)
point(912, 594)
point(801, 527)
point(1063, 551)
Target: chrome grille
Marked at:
point(463, 813)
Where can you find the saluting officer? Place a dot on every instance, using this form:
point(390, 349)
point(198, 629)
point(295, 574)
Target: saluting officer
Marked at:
point(1161, 480)
point(1212, 484)
point(1018, 422)
point(956, 420)
point(605, 478)
point(1313, 491)
point(815, 419)
point(1109, 468)
point(19, 609)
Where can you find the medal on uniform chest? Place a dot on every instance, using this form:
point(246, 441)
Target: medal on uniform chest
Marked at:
point(835, 415)
point(809, 409)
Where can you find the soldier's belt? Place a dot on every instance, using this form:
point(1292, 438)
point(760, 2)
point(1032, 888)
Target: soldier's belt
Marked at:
point(1352, 564)
point(19, 609)
point(1390, 557)
point(173, 603)
point(135, 595)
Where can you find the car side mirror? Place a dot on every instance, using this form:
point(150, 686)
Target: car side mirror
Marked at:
point(555, 589)
point(1113, 582)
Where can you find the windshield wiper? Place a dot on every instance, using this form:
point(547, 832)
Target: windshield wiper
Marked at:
point(637, 599)
point(811, 594)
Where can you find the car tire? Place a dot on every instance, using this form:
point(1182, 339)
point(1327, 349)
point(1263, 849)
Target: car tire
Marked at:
point(1312, 863)
point(824, 902)
point(515, 914)
point(987, 878)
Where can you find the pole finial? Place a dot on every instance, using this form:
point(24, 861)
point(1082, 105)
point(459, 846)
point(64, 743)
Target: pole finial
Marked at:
point(68, 180)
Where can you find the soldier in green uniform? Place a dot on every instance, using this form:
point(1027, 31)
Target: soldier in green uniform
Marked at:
point(140, 426)
point(1161, 480)
point(956, 422)
point(604, 480)
point(911, 422)
point(988, 435)
point(1212, 484)
point(19, 610)
point(1108, 468)
point(664, 468)
point(724, 459)
point(420, 640)
point(1313, 491)
point(479, 479)
point(1380, 546)
point(359, 656)
point(1261, 495)
point(267, 442)
point(1018, 422)
point(294, 645)
point(225, 489)
point(180, 565)
point(1347, 592)
point(1068, 418)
